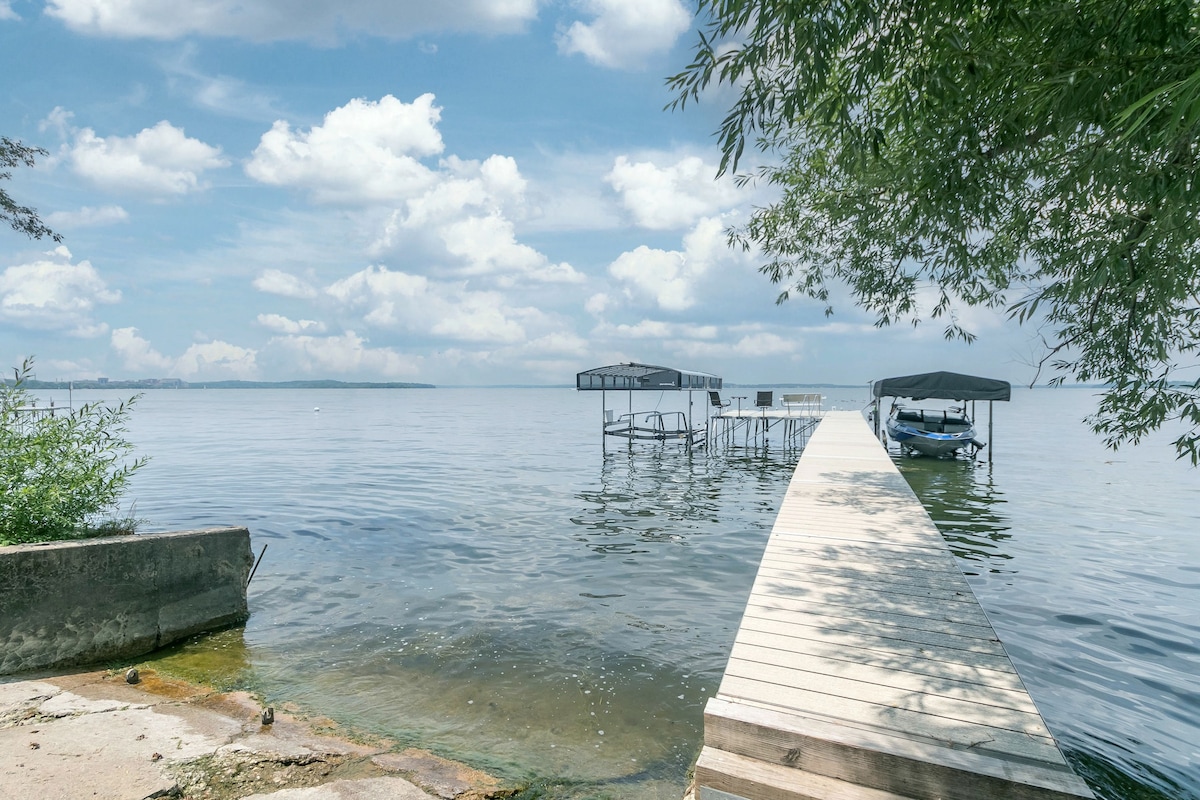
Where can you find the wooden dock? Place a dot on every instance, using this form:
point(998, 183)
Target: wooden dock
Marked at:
point(864, 667)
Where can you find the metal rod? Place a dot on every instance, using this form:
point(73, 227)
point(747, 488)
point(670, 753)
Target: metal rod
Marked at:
point(256, 563)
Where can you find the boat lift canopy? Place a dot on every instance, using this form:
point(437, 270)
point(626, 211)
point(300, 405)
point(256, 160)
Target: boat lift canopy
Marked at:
point(638, 377)
point(654, 425)
point(943, 386)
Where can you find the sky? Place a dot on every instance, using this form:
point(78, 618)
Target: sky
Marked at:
point(456, 192)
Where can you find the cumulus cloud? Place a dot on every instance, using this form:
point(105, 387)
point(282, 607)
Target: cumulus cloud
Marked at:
point(281, 324)
point(671, 278)
point(6, 11)
point(661, 274)
point(598, 303)
point(750, 345)
point(488, 245)
point(137, 353)
point(347, 354)
point(624, 33)
point(87, 217)
point(363, 152)
point(214, 359)
point(160, 160)
point(657, 330)
point(398, 300)
point(274, 281)
point(461, 223)
point(54, 294)
point(323, 21)
point(675, 196)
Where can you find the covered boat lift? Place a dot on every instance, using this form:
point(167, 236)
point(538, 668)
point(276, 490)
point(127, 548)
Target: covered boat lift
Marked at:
point(652, 425)
point(942, 386)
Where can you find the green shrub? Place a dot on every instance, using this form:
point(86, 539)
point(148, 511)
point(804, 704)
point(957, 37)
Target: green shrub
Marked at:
point(61, 474)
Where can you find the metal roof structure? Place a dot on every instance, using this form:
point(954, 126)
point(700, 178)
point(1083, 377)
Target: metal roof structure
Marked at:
point(943, 386)
point(644, 377)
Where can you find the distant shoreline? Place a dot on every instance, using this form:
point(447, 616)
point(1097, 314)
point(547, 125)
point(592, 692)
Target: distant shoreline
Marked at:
point(174, 383)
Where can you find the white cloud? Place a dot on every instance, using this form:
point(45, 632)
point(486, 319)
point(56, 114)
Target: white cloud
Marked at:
point(324, 21)
point(223, 94)
point(672, 278)
point(6, 11)
point(754, 345)
point(662, 275)
point(87, 217)
point(137, 354)
point(216, 359)
point(343, 355)
point(663, 198)
point(397, 300)
point(158, 160)
point(623, 33)
point(274, 281)
point(54, 294)
point(598, 303)
point(364, 152)
point(212, 360)
point(657, 330)
point(488, 245)
point(281, 324)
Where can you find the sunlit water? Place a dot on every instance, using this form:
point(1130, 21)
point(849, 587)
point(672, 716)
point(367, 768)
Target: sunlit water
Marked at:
point(465, 570)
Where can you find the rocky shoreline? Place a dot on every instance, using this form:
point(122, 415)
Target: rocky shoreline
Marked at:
point(95, 735)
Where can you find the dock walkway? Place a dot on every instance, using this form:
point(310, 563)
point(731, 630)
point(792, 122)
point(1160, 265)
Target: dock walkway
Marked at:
point(864, 667)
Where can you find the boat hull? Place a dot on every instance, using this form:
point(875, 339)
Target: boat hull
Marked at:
point(934, 435)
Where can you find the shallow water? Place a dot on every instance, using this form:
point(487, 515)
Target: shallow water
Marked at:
point(466, 570)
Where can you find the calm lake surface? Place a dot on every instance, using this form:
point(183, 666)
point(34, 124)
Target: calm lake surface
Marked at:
point(465, 570)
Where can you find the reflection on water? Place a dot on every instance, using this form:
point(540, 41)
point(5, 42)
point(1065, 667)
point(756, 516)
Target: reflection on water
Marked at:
point(965, 504)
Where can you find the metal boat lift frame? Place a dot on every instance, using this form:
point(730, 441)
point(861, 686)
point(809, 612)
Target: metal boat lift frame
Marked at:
point(654, 425)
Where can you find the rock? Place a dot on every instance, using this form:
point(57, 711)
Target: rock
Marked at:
point(131, 676)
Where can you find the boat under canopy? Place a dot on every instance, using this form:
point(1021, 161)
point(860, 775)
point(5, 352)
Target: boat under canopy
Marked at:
point(654, 425)
point(941, 432)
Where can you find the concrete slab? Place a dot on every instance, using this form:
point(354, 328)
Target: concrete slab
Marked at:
point(93, 735)
point(366, 789)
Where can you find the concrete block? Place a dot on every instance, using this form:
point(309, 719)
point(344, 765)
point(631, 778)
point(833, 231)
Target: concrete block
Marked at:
point(79, 602)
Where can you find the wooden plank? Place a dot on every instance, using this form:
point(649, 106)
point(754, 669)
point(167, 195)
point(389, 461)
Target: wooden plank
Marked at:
point(784, 685)
point(956, 733)
point(815, 655)
point(742, 777)
point(868, 649)
point(865, 608)
point(862, 613)
point(806, 565)
point(912, 767)
point(957, 681)
point(789, 581)
point(931, 556)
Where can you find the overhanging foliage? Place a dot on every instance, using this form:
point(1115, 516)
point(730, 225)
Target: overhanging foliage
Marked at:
point(1039, 157)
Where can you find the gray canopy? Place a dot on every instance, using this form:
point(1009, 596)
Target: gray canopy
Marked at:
point(634, 377)
point(943, 386)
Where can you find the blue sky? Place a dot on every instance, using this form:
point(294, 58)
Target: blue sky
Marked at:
point(452, 192)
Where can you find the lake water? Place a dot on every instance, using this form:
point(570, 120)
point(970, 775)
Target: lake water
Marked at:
point(465, 570)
